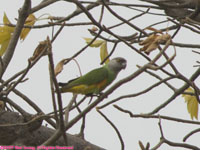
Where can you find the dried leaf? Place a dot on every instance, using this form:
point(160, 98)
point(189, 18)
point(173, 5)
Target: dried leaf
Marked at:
point(152, 42)
point(149, 39)
point(149, 43)
point(59, 67)
point(153, 29)
point(96, 43)
point(94, 29)
point(163, 38)
point(151, 47)
point(39, 49)
point(192, 104)
point(104, 52)
point(30, 21)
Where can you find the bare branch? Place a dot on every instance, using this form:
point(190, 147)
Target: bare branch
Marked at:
point(114, 127)
point(23, 14)
point(149, 116)
point(177, 92)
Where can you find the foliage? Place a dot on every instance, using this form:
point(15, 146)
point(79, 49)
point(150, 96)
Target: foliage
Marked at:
point(6, 31)
point(192, 103)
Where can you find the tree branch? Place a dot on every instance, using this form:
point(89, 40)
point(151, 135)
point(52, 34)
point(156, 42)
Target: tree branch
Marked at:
point(23, 14)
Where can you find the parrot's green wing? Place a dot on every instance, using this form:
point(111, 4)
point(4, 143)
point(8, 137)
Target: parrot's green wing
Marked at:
point(92, 82)
point(93, 77)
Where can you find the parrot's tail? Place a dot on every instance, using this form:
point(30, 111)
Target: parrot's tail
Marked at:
point(62, 84)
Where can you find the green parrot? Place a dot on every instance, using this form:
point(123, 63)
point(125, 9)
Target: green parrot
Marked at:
point(96, 80)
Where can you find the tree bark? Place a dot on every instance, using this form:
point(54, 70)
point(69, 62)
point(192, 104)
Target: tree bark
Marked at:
point(16, 132)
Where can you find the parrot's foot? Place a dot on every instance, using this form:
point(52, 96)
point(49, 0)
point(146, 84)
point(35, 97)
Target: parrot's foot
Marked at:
point(94, 95)
point(101, 93)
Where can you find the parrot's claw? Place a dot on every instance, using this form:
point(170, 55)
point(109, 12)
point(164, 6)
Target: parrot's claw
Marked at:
point(93, 95)
point(101, 93)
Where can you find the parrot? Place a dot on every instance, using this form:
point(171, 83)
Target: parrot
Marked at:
point(96, 80)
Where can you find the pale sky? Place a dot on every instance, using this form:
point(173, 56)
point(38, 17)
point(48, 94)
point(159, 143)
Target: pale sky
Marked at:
point(98, 131)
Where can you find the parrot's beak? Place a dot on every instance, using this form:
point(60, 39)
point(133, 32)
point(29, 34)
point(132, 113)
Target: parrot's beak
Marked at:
point(123, 65)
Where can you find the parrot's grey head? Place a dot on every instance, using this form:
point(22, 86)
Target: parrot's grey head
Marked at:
point(117, 64)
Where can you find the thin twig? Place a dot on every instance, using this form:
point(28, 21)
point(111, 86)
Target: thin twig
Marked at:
point(59, 99)
point(68, 108)
point(122, 19)
point(190, 134)
point(160, 127)
point(135, 94)
point(114, 127)
point(81, 133)
point(84, 48)
point(149, 116)
point(6, 92)
point(112, 51)
point(43, 4)
point(34, 106)
point(177, 92)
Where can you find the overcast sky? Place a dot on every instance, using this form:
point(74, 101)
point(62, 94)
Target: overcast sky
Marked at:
point(98, 131)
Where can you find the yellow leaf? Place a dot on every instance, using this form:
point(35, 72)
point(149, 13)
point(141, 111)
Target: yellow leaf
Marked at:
point(30, 21)
point(6, 21)
point(5, 36)
point(4, 46)
point(192, 103)
point(96, 43)
point(104, 52)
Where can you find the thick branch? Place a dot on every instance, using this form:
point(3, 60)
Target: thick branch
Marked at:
point(23, 14)
point(13, 131)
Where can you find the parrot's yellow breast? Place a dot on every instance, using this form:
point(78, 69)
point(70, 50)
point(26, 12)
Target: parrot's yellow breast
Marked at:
point(88, 89)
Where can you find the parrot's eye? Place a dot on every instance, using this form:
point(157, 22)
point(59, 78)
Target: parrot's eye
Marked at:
point(119, 60)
